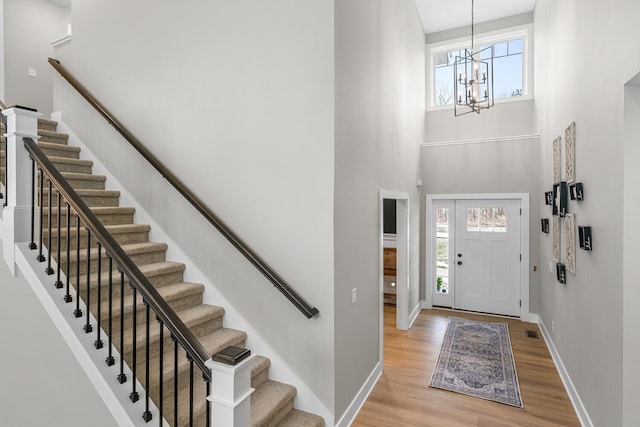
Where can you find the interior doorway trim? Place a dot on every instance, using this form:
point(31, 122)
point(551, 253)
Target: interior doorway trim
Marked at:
point(525, 315)
point(402, 261)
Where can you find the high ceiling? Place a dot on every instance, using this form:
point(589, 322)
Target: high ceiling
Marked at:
point(62, 3)
point(440, 15)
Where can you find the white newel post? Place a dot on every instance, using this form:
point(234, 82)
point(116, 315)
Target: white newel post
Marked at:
point(230, 393)
point(16, 216)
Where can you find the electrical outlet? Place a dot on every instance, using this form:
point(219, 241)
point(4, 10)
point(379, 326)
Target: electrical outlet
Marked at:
point(32, 72)
point(354, 295)
point(553, 327)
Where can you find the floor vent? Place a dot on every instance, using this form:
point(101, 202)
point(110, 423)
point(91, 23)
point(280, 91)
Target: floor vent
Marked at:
point(532, 334)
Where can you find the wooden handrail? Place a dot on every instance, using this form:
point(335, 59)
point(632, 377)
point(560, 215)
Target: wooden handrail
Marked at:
point(242, 247)
point(149, 293)
point(2, 106)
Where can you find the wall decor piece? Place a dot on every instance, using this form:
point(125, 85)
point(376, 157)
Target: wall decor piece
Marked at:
point(576, 191)
point(548, 198)
point(556, 239)
point(570, 243)
point(560, 199)
point(570, 152)
point(545, 225)
point(584, 233)
point(557, 160)
point(561, 273)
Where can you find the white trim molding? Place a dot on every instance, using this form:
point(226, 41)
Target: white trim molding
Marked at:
point(581, 410)
point(356, 404)
point(513, 138)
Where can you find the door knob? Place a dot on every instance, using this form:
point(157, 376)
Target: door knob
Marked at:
point(459, 262)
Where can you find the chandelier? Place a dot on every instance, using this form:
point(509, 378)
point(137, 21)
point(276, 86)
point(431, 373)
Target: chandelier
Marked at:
point(473, 78)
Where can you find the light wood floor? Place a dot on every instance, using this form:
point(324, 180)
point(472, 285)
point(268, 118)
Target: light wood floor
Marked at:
point(402, 396)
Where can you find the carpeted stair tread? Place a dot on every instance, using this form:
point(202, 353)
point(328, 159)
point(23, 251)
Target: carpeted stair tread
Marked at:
point(113, 229)
point(222, 338)
point(59, 150)
point(91, 197)
point(108, 215)
point(259, 370)
point(197, 319)
point(85, 180)
point(47, 125)
point(298, 418)
point(130, 249)
point(53, 136)
point(170, 294)
point(64, 164)
point(270, 403)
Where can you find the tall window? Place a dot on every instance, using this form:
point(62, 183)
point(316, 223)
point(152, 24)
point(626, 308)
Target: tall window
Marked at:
point(509, 66)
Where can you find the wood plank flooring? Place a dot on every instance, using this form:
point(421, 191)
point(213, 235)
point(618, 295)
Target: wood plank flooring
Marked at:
point(402, 396)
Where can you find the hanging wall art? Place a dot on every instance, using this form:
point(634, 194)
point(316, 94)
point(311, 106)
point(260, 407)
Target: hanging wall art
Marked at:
point(556, 238)
point(570, 243)
point(570, 150)
point(557, 160)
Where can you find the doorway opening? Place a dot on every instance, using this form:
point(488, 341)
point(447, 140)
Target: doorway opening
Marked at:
point(477, 256)
point(394, 257)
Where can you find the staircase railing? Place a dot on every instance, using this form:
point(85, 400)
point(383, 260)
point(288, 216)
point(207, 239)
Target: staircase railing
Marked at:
point(241, 246)
point(68, 203)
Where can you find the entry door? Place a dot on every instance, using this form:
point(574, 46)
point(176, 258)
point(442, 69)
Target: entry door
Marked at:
point(487, 256)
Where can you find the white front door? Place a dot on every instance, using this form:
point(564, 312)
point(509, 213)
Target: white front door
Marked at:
point(487, 256)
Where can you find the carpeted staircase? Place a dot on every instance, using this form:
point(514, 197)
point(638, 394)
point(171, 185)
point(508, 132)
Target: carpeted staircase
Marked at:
point(272, 401)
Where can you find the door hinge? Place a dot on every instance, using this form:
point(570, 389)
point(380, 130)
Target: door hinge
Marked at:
point(520, 303)
point(520, 211)
point(520, 257)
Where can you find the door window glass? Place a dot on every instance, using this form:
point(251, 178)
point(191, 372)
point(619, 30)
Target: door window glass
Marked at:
point(442, 250)
point(492, 220)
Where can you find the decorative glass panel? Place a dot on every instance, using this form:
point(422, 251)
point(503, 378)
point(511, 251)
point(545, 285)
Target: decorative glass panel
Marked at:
point(492, 220)
point(442, 250)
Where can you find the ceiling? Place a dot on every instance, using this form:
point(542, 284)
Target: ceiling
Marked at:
point(62, 3)
point(440, 15)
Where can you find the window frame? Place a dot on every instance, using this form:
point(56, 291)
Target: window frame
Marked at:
point(521, 31)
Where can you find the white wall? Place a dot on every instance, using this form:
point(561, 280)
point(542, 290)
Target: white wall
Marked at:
point(41, 382)
point(588, 311)
point(28, 27)
point(236, 98)
point(379, 125)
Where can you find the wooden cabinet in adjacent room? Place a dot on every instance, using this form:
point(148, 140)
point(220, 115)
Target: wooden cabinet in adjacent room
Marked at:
point(389, 261)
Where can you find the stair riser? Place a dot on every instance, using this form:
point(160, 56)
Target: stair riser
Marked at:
point(53, 139)
point(50, 151)
point(138, 259)
point(46, 126)
point(82, 184)
point(66, 167)
point(105, 219)
point(91, 201)
point(280, 414)
point(122, 238)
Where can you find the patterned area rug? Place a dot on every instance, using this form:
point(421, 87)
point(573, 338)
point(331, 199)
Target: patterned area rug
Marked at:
point(476, 359)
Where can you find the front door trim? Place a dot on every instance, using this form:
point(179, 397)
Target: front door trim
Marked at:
point(525, 315)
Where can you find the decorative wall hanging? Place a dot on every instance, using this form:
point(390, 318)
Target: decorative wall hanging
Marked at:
point(570, 244)
point(561, 273)
point(584, 233)
point(548, 198)
point(570, 148)
point(556, 238)
point(557, 160)
point(560, 199)
point(544, 222)
point(576, 191)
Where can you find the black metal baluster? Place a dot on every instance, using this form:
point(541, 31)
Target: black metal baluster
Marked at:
point(122, 377)
point(58, 281)
point(147, 414)
point(175, 380)
point(190, 390)
point(134, 396)
point(49, 270)
point(77, 312)
point(67, 296)
point(32, 243)
point(208, 408)
point(87, 326)
point(110, 360)
point(161, 373)
point(40, 257)
point(98, 343)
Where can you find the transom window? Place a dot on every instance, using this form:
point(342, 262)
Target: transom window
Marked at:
point(510, 64)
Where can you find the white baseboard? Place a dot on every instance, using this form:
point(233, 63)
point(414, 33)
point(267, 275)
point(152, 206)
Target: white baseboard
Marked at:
point(356, 404)
point(414, 314)
point(579, 407)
